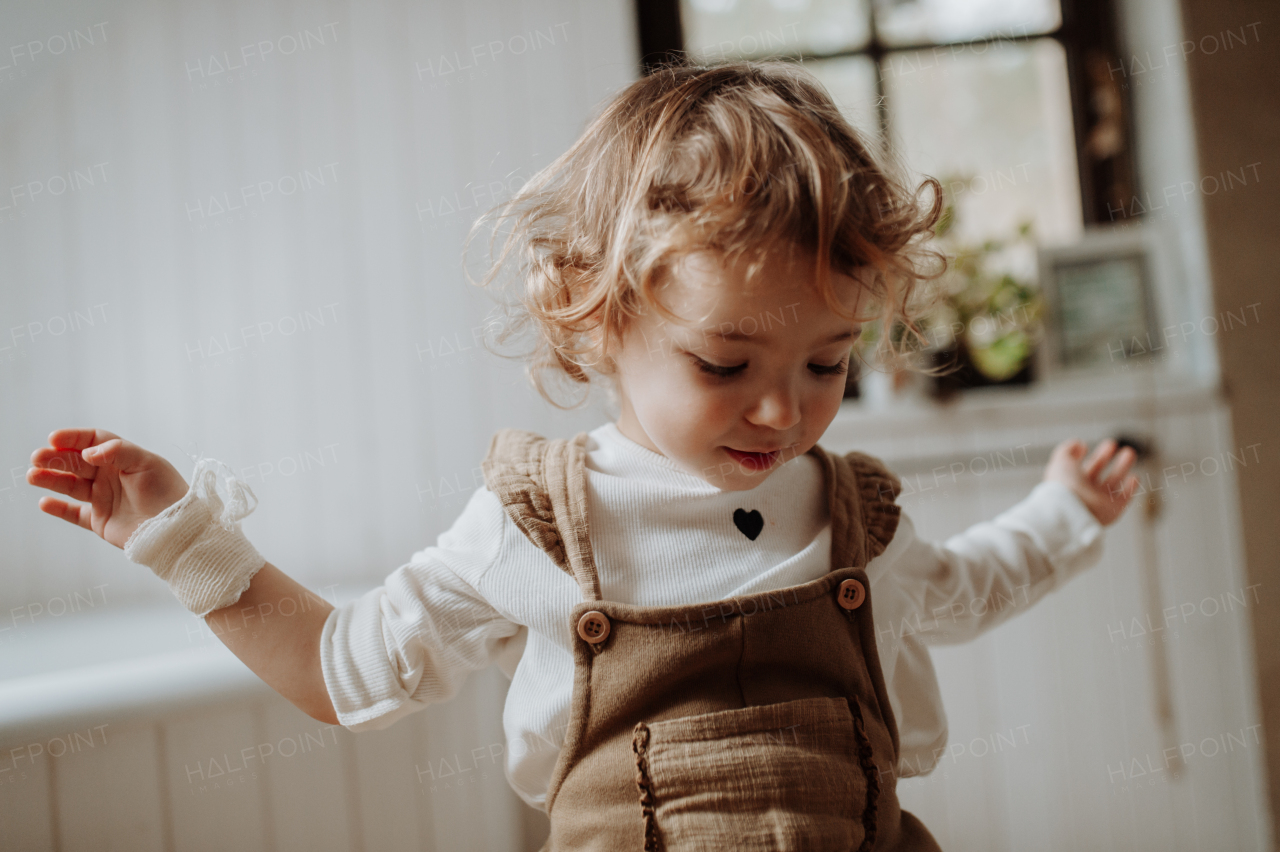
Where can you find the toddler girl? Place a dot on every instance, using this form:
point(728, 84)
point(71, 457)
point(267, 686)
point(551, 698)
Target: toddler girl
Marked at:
point(683, 599)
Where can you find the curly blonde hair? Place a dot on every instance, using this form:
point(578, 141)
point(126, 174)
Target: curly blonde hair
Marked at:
point(734, 158)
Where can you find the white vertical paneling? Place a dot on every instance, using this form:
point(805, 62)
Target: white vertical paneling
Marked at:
point(219, 792)
point(112, 796)
point(308, 776)
point(1210, 644)
point(1223, 512)
point(459, 771)
point(390, 804)
point(27, 803)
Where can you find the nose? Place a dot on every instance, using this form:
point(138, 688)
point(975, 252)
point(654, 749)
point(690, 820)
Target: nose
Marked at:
point(778, 408)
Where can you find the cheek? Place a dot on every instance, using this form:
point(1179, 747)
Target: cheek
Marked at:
point(690, 408)
point(824, 405)
point(680, 411)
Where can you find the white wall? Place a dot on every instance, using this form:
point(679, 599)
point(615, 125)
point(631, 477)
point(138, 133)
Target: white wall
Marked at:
point(360, 434)
point(359, 437)
point(1155, 75)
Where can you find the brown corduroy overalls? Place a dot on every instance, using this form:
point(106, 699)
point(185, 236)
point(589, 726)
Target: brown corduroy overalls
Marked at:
point(758, 722)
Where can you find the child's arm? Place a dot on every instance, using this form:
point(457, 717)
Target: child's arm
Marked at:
point(283, 650)
point(995, 569)
point(120, 485)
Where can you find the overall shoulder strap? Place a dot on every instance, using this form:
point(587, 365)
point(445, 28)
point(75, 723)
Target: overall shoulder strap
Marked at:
point(543, 488)
point(861, 495)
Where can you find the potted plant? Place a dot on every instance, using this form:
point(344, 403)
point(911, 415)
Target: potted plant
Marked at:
point(985, 323)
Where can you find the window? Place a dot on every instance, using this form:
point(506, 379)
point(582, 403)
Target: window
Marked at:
point(1006, 101)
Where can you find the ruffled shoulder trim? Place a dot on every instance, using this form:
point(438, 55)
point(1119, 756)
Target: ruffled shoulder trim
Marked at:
point(860, 497)
point(514, 470)
point(878, 490)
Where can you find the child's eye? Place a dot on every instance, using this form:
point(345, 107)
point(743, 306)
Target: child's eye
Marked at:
point(716, 370)
point(836, 369)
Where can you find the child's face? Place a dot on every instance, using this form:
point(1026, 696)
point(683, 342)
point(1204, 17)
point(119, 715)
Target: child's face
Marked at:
point(754, 384)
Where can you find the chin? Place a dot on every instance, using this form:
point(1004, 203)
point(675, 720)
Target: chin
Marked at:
point(748, 486)
point(740, 481)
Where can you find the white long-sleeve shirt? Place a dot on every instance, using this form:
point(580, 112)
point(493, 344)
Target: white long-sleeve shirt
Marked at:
point(660, 536)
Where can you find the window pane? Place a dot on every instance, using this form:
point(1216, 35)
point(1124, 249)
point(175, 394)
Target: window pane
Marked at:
point(851, 80)
point(995, 127)
point(717, 30)
point(943, 21)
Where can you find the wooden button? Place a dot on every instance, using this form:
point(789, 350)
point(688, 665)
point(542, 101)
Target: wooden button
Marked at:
point(593, 627)
point(851, 594)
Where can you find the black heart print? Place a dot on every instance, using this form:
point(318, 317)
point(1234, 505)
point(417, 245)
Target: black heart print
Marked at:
point(748, 523)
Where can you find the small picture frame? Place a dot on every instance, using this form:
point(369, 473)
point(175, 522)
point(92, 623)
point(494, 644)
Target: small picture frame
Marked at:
point(1099, 307)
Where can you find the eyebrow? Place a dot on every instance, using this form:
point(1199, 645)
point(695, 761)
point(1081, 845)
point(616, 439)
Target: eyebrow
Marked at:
point(742, 336)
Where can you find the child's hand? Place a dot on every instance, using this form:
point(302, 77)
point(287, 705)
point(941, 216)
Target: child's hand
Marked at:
point(121, 483)
point(1106, 496)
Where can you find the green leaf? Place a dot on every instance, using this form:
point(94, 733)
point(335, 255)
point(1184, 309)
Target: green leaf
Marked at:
point(1003, 358)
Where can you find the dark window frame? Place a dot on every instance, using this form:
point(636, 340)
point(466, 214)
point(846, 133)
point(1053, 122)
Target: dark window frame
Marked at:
point(1087, 34)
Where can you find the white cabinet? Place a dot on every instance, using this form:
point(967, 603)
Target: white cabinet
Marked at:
point(1056, 736)
point(235, 766)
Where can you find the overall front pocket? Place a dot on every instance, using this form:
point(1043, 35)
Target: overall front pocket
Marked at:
point(791, 776)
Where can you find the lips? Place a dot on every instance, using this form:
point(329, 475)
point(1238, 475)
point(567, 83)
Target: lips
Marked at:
point(754, 461)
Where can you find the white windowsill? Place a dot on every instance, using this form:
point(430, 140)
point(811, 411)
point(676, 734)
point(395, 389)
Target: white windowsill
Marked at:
point(93, 668)
point(1098, 402)
point(85, 669)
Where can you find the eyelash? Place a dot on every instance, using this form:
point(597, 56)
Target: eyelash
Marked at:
point(728, 372)
point(838, 369)
point(716, 370)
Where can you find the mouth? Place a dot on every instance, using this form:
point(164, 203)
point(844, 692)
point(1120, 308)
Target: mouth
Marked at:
point(754, 461)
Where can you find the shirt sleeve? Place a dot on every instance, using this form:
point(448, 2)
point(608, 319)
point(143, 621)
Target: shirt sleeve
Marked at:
point(414, 640)
point(981, 577)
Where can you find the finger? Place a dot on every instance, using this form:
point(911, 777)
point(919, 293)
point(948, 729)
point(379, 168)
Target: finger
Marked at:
point(124, 456)
point(1130, 488)
point(65, 461)
point(1098, 460)
point(64, 483)
point(1123, 461)
point(78, 515)
point(1122, 492)
point(1069, 450)
point(78, 439)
